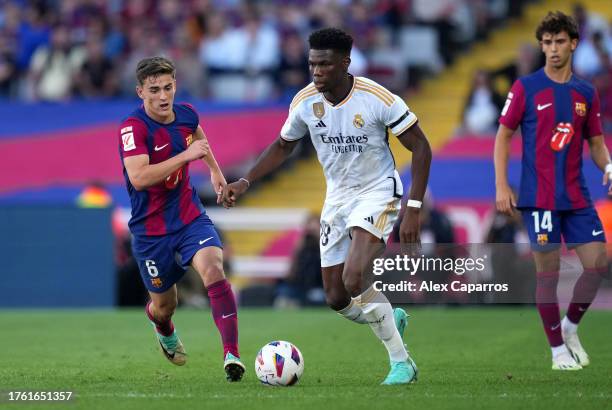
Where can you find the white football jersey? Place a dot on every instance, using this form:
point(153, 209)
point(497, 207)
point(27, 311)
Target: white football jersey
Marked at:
point(351, 137)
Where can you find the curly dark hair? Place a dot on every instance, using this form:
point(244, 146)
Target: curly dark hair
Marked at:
point(556, 22)
point(154, 66)
point(331, 39)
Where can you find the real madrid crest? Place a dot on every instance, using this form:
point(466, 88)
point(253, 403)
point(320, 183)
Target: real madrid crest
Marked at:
point(581, 109)
point(358, 122)
point(318, 109)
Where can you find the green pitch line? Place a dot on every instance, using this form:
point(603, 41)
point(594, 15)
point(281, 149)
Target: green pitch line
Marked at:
point(468, 358)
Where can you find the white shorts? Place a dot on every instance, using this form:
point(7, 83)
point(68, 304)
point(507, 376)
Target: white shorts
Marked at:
point(376, 212)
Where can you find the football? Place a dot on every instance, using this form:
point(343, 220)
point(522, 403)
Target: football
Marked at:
point(279, 363)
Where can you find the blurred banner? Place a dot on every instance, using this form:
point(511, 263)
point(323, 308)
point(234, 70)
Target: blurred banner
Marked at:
point(56, 257)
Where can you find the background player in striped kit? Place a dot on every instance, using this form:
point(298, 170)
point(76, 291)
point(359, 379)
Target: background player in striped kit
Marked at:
point(556, 111)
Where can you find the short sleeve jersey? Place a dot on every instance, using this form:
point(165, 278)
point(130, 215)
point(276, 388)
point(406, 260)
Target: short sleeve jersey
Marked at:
point(555, 119)
point(173, 203)
point(350, 137)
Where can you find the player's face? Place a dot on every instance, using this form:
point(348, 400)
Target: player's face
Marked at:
point(327, 68)
point(558, 48)
point(157, 93)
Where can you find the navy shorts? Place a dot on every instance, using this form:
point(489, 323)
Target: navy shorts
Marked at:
point(578, 226)
point(163, 259)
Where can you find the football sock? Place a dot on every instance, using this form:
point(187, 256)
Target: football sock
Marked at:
point(163, 328)
point(379, 314)
point(225, 314)
point(353, 313)
point(585, 291)
point(548, 306)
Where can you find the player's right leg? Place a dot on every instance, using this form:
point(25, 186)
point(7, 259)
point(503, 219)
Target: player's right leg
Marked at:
point(544, 231)
point(376, 308)
point(159, 274)
point(594, 261)
point(159, 310)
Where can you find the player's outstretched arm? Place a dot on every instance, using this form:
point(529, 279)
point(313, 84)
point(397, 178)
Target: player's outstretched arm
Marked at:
point(216, 176)
point(143, 175)
point(415, 141)
point(268, 161)
point(504, 197)
point(601, 158)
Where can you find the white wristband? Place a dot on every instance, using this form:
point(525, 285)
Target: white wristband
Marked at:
point(245, 180)
point(412, 203)
point(608, 169)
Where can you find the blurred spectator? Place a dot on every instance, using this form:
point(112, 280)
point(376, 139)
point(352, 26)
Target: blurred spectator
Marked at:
point(510, 258)
point(53, 67)
point(97, 76)
point(231, 50)
point(482, 106)
point(592, 56)
point(529, 59)
point(304, 283)
point(293, 68)
point(8, 68)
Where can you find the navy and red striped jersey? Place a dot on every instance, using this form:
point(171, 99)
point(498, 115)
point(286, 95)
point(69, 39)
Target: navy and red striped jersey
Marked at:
point(173, 203)
point(555, 120)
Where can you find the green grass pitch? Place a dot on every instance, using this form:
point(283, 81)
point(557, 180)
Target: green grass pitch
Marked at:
point(468, 358)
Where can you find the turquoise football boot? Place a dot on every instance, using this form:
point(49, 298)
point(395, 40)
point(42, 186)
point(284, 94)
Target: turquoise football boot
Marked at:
point(402, 373)
point(172, 348)
point(234, 369)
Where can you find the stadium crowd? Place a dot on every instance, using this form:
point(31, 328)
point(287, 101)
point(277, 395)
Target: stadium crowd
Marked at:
point(55, 50)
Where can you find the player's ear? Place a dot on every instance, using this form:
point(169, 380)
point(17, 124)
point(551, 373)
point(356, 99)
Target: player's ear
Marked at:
point(346, 61)
point(574, 44)
point(139, 92)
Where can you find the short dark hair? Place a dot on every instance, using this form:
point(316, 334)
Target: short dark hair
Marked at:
point(154, 66)
point(555, 22)
point(331, 39)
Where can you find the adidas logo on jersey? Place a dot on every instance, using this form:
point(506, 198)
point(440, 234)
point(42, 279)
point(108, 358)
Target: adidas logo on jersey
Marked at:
point(321, 124)
point(370, 219)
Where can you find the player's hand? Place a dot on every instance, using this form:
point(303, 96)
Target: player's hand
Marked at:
point(233, 191)
point(409, 232)
point(198, 149)
point(219, 183)
point(505, 200)
point(607, 179)
point(410, 227)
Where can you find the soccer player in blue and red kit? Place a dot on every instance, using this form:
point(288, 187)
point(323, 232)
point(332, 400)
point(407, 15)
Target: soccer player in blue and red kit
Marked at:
point(170, 228)
point(556, 112)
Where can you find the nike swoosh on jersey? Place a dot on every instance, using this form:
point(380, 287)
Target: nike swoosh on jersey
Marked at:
point(595, 233)
point(226, 316)
point(543, 106)
point(160, 148)
point(203, 241)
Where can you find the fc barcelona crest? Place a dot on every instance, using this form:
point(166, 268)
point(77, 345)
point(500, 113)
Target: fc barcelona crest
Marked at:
point(358, 121)
point(581, 109)
point(542, 238)
point(318, 109)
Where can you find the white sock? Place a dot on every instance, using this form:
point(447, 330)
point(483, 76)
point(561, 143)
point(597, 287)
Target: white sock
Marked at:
point(353, 313)
point(557, 350)
point(568, 326)
point(378, 312)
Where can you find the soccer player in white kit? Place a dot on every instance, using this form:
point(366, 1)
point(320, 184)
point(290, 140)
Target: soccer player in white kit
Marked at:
point(347, 118)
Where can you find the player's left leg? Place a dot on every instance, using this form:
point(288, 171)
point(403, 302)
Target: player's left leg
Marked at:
point(594, 262)
point(583, 231)
point(208, 262)
point(377, 310)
